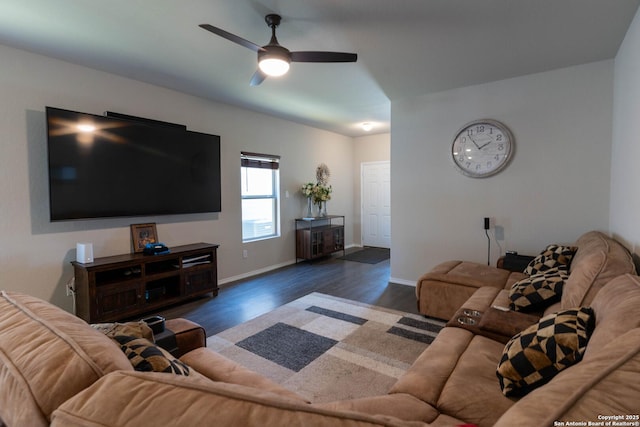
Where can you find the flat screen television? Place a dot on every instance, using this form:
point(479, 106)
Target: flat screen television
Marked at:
point(110, 166)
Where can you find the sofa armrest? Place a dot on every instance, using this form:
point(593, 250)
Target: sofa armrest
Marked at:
point(506, 323)
point(218, 368)
point(183, 336)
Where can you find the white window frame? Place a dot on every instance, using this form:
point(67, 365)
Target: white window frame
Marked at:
point(263, 161)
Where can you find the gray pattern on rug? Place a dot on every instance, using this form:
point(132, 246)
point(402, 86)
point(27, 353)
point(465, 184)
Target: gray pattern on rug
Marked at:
point(327, 348)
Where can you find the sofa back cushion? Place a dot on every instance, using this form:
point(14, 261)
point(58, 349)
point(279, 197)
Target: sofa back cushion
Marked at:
point(603, 385)
point(598, 260)
point(617, 311)
point(46, 356)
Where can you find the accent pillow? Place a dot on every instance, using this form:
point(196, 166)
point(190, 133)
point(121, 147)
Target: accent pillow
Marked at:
point(538, 291)
point(147, 357)
point(534, 356)
point(554, 256)
point(137, 329)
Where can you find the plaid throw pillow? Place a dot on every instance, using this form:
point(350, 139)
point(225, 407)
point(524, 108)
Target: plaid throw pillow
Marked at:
point(145, 356)
point(538, 291)
point(535, 355)
point(554, 256)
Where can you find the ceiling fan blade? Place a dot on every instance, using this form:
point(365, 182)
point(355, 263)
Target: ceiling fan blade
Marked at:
point(232, 37)
point(258, 77)
point(316, 56)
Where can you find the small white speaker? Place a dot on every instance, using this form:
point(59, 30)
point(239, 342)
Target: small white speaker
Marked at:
point(84, 252)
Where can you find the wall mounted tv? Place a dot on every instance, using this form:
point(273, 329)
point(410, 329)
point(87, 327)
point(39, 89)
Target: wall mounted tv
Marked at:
point(117, 166)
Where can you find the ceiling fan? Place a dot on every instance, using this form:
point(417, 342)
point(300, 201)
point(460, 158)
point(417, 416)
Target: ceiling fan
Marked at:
point(274, 59)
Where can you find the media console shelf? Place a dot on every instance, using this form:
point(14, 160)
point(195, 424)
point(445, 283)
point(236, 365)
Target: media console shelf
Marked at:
point(318, 237)
point(122, 286)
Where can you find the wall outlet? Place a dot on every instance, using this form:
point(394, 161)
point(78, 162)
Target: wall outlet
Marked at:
point(245, 253)
point(71, 290)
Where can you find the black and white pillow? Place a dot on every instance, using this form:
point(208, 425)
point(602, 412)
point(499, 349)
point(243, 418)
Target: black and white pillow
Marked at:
point(146, 356)
point(554, 256)
point(534, 356)
point(538, 291)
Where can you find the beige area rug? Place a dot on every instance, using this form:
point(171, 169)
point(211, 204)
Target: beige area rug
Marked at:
point(327, 348)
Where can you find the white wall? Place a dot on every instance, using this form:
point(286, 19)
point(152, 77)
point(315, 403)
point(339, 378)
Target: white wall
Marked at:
point(555, 188)
point(35, 254)
point(625, 172)
point(370, 148)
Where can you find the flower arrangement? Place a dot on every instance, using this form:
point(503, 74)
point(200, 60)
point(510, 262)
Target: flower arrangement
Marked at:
point(320, 191)
point(307, 189)
point(317, 192)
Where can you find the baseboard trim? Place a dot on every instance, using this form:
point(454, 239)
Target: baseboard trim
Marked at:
point(254, 272)
point(402, 281)
point(265, 270)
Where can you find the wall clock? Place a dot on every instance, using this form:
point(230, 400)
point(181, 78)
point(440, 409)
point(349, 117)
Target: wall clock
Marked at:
point(482, 148)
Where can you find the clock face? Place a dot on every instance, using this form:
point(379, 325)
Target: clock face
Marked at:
point(482, 148)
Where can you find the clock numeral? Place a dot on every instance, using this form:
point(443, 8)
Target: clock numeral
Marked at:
point(463, 139)
point(468, 165)
point(499, 137)
point(469, 132)
point(489, 164)
point(461, 159)
point(501, 147)
point(490, 131)
point(480, 129)
point(478, 166)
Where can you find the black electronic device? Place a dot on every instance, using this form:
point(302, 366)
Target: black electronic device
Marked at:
point(156, 323)
point(115, 167)
point(486, 223)
point(514, 262)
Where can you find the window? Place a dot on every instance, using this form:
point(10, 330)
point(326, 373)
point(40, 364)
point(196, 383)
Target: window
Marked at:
point(260, 207)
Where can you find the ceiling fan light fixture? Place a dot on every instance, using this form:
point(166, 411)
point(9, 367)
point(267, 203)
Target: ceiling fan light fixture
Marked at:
point(366, 126)
point(273, 66)
point(274, 60)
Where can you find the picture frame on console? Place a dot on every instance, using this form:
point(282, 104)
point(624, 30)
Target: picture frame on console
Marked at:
point(141, 234)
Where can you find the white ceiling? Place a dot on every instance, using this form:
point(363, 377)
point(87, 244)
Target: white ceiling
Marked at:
point(404, 47)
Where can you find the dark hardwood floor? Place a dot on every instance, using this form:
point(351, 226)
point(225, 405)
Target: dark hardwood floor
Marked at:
point(240, 301)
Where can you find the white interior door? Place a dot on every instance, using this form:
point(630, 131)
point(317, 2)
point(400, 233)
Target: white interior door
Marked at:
point(376, 204)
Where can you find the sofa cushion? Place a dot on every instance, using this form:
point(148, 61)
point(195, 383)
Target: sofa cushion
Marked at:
point(151, 399)
point(443, 290)
point(538, 291)
point(599, 259)
point(216, 367)
point(535, 355)
point(554, 256)
point(46, 356)
point(147, 357)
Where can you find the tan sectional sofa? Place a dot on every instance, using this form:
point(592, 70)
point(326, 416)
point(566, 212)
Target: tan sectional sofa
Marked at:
point(444, 289)
point(57, 370)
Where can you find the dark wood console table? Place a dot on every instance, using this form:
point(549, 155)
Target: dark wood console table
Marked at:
point(122, 286)
point(320, 236)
